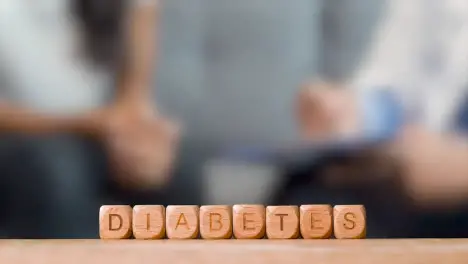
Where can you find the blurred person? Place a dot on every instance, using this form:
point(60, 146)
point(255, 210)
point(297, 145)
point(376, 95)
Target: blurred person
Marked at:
point(228, 68)
point(223, 69)
point(230, 71)
point(416, 69)
point(60, 62)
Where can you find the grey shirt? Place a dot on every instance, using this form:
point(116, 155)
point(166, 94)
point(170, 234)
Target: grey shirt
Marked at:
point(228, 69)
point(231, 69)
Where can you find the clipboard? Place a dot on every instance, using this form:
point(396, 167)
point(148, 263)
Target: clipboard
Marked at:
point(297, 152)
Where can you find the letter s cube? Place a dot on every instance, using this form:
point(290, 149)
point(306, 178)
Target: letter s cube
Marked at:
point(349, 221)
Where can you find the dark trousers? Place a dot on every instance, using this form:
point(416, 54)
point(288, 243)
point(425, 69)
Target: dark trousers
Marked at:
point(53, 187)
point(50, 188)
point(388, 214)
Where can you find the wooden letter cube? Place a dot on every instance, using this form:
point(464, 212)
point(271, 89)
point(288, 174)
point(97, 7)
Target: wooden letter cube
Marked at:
point(282, 222)
point(349, 221)
point(115, 222)
point(182, 221)
point(249, 221)
point(216, 222)
point(316, 221)
point(149, 222)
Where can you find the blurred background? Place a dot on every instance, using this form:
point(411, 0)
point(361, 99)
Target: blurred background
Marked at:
point(230, 73)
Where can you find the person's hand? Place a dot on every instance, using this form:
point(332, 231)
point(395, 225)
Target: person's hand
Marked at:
point(326, 112)
point(141, 145)
point(434, 167)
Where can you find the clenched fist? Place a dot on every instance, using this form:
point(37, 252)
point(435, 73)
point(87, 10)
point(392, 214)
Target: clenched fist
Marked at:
point(325, 112)
point(141, 145)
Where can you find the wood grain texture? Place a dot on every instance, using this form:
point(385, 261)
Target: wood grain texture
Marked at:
point(366, 251)
point(149, 221)
point(248, 221)
point(115, 222)
point(216, 222)
point(316, 221)
point(349, 221)
point(282, 222)
point(182, 221)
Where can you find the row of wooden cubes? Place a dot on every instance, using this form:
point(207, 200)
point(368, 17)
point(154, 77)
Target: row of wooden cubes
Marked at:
point(238, 221)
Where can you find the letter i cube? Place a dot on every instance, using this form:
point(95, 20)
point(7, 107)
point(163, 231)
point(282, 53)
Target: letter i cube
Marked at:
point(149, 222)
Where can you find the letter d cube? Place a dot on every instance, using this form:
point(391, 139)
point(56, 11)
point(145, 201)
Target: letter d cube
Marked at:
point(115, 222)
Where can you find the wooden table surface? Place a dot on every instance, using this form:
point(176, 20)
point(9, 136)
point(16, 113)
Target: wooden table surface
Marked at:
point(234, 251)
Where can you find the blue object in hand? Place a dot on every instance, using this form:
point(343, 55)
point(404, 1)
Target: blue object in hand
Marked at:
point(461, 119)
point(382, 114)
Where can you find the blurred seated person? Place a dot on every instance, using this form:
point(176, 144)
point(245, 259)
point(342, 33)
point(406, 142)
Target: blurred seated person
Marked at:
point(60, 60)
point(230, 69)
point(417, 65)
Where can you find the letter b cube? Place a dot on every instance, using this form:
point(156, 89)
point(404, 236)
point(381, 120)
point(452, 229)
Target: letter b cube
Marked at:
point(216, 222)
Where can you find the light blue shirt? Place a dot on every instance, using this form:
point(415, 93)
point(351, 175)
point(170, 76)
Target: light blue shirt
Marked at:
point(419, 50)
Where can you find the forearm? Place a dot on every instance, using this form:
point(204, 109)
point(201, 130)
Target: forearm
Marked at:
point(451, 184)
point(140, 46)
point(433, 166)
point(22, 121)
